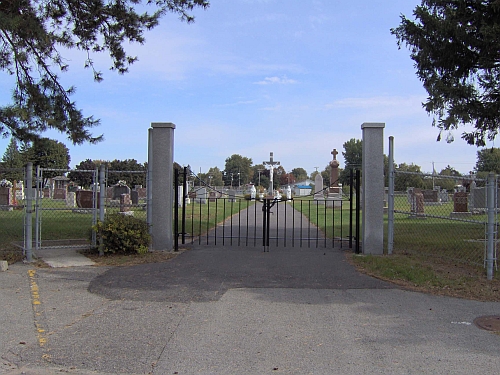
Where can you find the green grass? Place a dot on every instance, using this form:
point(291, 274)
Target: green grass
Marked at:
point(334, 222)
point(200, 218)
point(59, 222)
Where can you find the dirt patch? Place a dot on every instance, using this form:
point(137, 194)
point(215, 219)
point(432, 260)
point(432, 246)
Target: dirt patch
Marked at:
point(120, 260)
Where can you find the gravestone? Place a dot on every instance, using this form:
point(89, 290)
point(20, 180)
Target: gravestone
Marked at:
point(212, 196)
point(125, 205)
point(59, 193)
point(460, 203)
point(334, 196)
point(430, 196)
point(134, 197)
point(232, 195)
point(109, 192)
point(318, 189)
point(416, 199)
point(201, 196)
point(71, 199)
point(85, 200)
point(443, 196)
point(142, 192)
point(5, 198)
point(118, 190)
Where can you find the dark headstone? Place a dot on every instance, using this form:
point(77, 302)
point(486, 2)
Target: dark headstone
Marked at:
point(460, 202)
point(134, 197)
point(124, 202)
point(430, 195)
point(59, 193)
point(5, 198)
point(84, 199)
point(118, 190)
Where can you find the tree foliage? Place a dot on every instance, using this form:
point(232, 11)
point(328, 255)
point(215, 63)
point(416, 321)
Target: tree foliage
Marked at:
point(33, 36)
point(488, 160)
point(122, 170)
point(81, 175)
point(300, 174)
point(403, 181)
point(49, 154)
point(12, 162)
point(353, 151)
point(239, 169)
point(456, 49)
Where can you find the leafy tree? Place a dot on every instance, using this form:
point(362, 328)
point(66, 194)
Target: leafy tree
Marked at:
point(84, 179)
point(300, 174)
point(403, 181)
point(35, 33)
point(456, 50)
point(240, 168)
point(120, 170)
point(213, 177)
point(488, 160)
point(12, 162)
point(260, 178)
point(353, 151)
point(447, 183)
point(49, 154)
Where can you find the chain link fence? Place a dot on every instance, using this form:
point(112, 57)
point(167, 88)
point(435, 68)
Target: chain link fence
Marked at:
point(443, 217)
point(65, 205)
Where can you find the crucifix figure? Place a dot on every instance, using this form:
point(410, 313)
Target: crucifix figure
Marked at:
point(271, 163)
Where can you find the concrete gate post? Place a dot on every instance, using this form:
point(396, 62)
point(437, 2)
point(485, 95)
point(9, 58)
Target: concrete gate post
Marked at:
point(162, 143)
point(373, 188)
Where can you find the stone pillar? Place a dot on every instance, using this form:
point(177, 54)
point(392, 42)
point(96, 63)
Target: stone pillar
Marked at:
point(373, 188)
point(162, 142)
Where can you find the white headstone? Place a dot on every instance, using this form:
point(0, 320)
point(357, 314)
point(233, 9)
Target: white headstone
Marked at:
point(201, 195)
point(318, 189)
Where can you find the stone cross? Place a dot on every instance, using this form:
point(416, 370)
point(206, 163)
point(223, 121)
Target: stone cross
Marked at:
point(271, 163)
point(334, 153)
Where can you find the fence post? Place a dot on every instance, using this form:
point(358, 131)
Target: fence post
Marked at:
point(149, 184)
point(390, 203)
point(38, 192)
point(373, 188)
point(102, 191)
point(176, 210)
point(162, 185)
point(28, 233)
point(491, 225)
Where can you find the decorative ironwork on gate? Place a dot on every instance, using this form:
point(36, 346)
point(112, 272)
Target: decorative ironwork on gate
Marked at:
point(207, 215)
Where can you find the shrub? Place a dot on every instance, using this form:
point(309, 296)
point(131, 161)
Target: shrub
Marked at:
point(122, 234)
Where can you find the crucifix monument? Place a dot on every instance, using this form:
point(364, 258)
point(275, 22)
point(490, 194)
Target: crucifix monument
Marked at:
point(334, 173)
point(271, 163)
point(334, 190)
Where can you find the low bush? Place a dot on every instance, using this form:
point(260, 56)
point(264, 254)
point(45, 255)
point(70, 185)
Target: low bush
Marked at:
point(122, 234)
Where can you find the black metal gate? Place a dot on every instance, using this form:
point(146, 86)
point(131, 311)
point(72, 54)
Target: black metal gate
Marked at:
point(210, 216)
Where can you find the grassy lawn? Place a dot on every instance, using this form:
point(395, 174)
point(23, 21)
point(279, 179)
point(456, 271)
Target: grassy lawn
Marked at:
point(59, 222)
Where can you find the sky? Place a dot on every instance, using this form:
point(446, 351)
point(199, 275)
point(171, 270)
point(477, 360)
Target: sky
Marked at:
point(297, 78)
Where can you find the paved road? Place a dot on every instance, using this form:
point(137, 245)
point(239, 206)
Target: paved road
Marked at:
point(227, 310)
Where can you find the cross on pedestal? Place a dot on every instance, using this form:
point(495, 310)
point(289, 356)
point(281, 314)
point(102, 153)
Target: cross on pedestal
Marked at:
point(334, 153)
point(271, 163)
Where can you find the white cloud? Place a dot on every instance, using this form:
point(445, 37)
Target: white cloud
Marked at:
point(276, 80)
